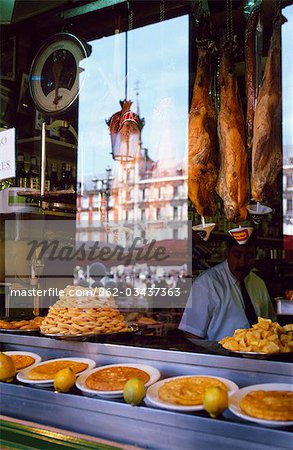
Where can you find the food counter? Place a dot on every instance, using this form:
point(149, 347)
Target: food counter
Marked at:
point(146, 426)
point(20, 434)
point(125, 185)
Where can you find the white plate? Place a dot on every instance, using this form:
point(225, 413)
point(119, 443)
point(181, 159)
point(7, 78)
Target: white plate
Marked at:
point(237, 396)
point(152, 395)
point(153, 373)
point(36, 357)
point(23, 374)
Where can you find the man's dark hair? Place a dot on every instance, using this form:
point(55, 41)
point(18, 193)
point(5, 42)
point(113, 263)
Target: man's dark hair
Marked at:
point(252, 242)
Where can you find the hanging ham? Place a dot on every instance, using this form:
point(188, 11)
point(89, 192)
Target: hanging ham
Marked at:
point(250, 72)
point(266, 149)
point(232, 181)
point(202, 140)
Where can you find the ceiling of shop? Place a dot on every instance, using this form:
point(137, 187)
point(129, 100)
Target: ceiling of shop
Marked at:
point(15, 10)
point(12, 11)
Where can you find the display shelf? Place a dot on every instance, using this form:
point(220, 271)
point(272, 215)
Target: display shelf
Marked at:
point(56, 149)
point(37, 215)
point(68, 197)
point(169, 430)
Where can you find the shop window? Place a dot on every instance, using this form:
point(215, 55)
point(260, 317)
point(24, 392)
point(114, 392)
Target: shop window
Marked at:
point(287, 87)
point(96, 201)
point(158, 86)
point(84, 202)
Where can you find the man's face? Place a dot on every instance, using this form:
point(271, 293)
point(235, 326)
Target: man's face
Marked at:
point(241, 260)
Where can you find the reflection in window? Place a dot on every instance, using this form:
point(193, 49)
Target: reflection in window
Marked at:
point(158, 83)
point(85, 202)
point(96, 201)
point(175, 213)
point(287, 87)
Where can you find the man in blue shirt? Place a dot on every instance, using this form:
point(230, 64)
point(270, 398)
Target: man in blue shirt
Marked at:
point(228, 296)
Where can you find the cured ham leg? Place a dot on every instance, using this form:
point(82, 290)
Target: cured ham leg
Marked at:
point(250, 72)
point(232, 181)
point(266, 149)
point(202, 138)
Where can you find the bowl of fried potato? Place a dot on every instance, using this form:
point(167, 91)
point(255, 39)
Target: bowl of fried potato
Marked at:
point(265, 338)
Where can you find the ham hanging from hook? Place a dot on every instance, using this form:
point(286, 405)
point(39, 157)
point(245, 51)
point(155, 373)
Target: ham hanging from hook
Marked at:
point(267, 134)
point(232, 182)
point(202, 139)
point(251, 81)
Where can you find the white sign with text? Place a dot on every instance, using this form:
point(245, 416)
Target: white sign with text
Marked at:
point(7, 154)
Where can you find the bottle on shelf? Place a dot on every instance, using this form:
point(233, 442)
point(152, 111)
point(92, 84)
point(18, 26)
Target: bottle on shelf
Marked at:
point(61, 182)
point(53, 177)
point(22, 178)
point(47, 179)
point(66, 181)
point(33, 176)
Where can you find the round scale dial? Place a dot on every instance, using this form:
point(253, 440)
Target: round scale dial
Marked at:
point(56, 74)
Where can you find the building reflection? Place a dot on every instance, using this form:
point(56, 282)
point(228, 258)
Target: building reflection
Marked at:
point(142, 199)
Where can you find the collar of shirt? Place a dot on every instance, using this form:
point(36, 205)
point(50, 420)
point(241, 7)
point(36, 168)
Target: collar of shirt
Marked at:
point(229, 273)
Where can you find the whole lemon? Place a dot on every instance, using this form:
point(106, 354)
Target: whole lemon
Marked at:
point(215, 400)
point(134, 391)
point(7, 368)
point(64, 380)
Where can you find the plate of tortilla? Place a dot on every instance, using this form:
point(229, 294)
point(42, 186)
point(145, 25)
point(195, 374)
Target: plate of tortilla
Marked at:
point(42, 374)
point(108, 381)
point(185, 393)
point(23, 360)
point(269, 404)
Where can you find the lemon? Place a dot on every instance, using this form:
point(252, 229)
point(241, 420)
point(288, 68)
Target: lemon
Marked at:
point(215, 400)
point(64, 380)
point(7, 368)
point(134, 391)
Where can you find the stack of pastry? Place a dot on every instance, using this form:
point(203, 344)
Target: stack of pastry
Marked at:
point(81, 314)
point(31, 325)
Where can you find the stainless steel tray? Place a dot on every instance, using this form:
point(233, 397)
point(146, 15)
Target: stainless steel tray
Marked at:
point(284, 306)
point(97, 337)
point(17, 331)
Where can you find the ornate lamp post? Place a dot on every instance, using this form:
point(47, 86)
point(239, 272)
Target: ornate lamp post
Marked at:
point(103, 187)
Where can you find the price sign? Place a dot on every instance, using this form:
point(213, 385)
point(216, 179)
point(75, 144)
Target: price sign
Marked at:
point(7, 154)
